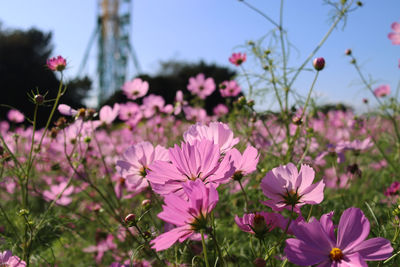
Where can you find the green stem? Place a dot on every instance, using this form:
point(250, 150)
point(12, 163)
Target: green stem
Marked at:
point(245, 196)
point(204, 248)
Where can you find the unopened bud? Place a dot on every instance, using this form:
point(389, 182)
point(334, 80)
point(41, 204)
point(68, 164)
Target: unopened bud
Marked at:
point(146, 203)
point(39, 99)
point(259, 262)
point(348, 52)
point(319, 63)
point(359, 3)
point(365, 100)
point(130, 219)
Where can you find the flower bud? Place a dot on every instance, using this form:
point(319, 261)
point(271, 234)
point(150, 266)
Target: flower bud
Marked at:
point(146, 203)
point(130, 219)
point(319, 63)
point(348, 52)
point(39, 99)
point(259, 262)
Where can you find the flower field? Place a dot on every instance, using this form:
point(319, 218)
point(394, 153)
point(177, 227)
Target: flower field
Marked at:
point(151, 183)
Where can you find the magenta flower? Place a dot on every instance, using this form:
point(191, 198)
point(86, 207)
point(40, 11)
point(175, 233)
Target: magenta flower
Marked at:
point(135, 89)
point(190, 216)
point(57, 63)
point(315, 242)
point(136, 160)
point(237, 58)
point(395, 35)
point(217, 132)
point(107, 114)
point(287, 188)
point(15, 116)
point(229, 89)
point(382, 91)
point(7, 259)
point(260, 223)
point(201, 160)
point(201, 86)
point(244, 164)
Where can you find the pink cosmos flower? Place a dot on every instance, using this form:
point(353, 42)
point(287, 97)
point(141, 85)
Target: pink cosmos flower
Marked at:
point(190, 216)
point(382, 91)
point(200, 160)
point(107, 114)
point(66, 110)
point(260, 223)
point(152, 104)
point(244, 164)
point(288, 188)
point(7, 259)
point(220, 110)
point(195, 114)
point(55, 190)
point(57, 63)
point(237, 58)
point(201, 86)
point(135, 162)
point(102, 247)
point(229, 89)
point(316, 243)
point(131, 113)
point(179, 102)
point(395, 35)
point(217, 132)
point(135, 89)
point(15, 116)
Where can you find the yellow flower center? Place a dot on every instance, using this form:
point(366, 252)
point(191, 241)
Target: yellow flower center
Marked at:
point(336, 254)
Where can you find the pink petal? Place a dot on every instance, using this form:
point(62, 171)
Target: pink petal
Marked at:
point(353, 229)
point(375, 249)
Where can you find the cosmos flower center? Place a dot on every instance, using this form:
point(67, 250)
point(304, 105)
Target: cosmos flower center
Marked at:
point(336, 254)
point(291, 197)
point(143, 171)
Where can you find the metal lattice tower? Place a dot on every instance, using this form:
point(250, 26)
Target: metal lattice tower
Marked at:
point(113, 46)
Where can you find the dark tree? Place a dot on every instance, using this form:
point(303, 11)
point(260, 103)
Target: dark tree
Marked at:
point(23, 56)
point(174, 76)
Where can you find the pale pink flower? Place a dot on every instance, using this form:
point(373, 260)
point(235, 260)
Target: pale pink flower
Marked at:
point(201, 86)
point(395, 35)
point(152, 104)
point(316, 242)
point(220, 110)
point(237, 58)
point(200, 160)
point(16, 116)
point(66, 110)
point(260, 223)
point(382, 91)
point(136, 160)
point(217, 132)
point(65, 199)
point(287, 188)
point(179, 102)
point(135, 89)
point(57, 63)
point(8, 260)
point(131, 113)
point(229, 89)
point(244, 164)
point(195, 114)
point(190, 216)
point(107, 114)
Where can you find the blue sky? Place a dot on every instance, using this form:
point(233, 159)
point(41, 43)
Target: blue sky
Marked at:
point(211, 30)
